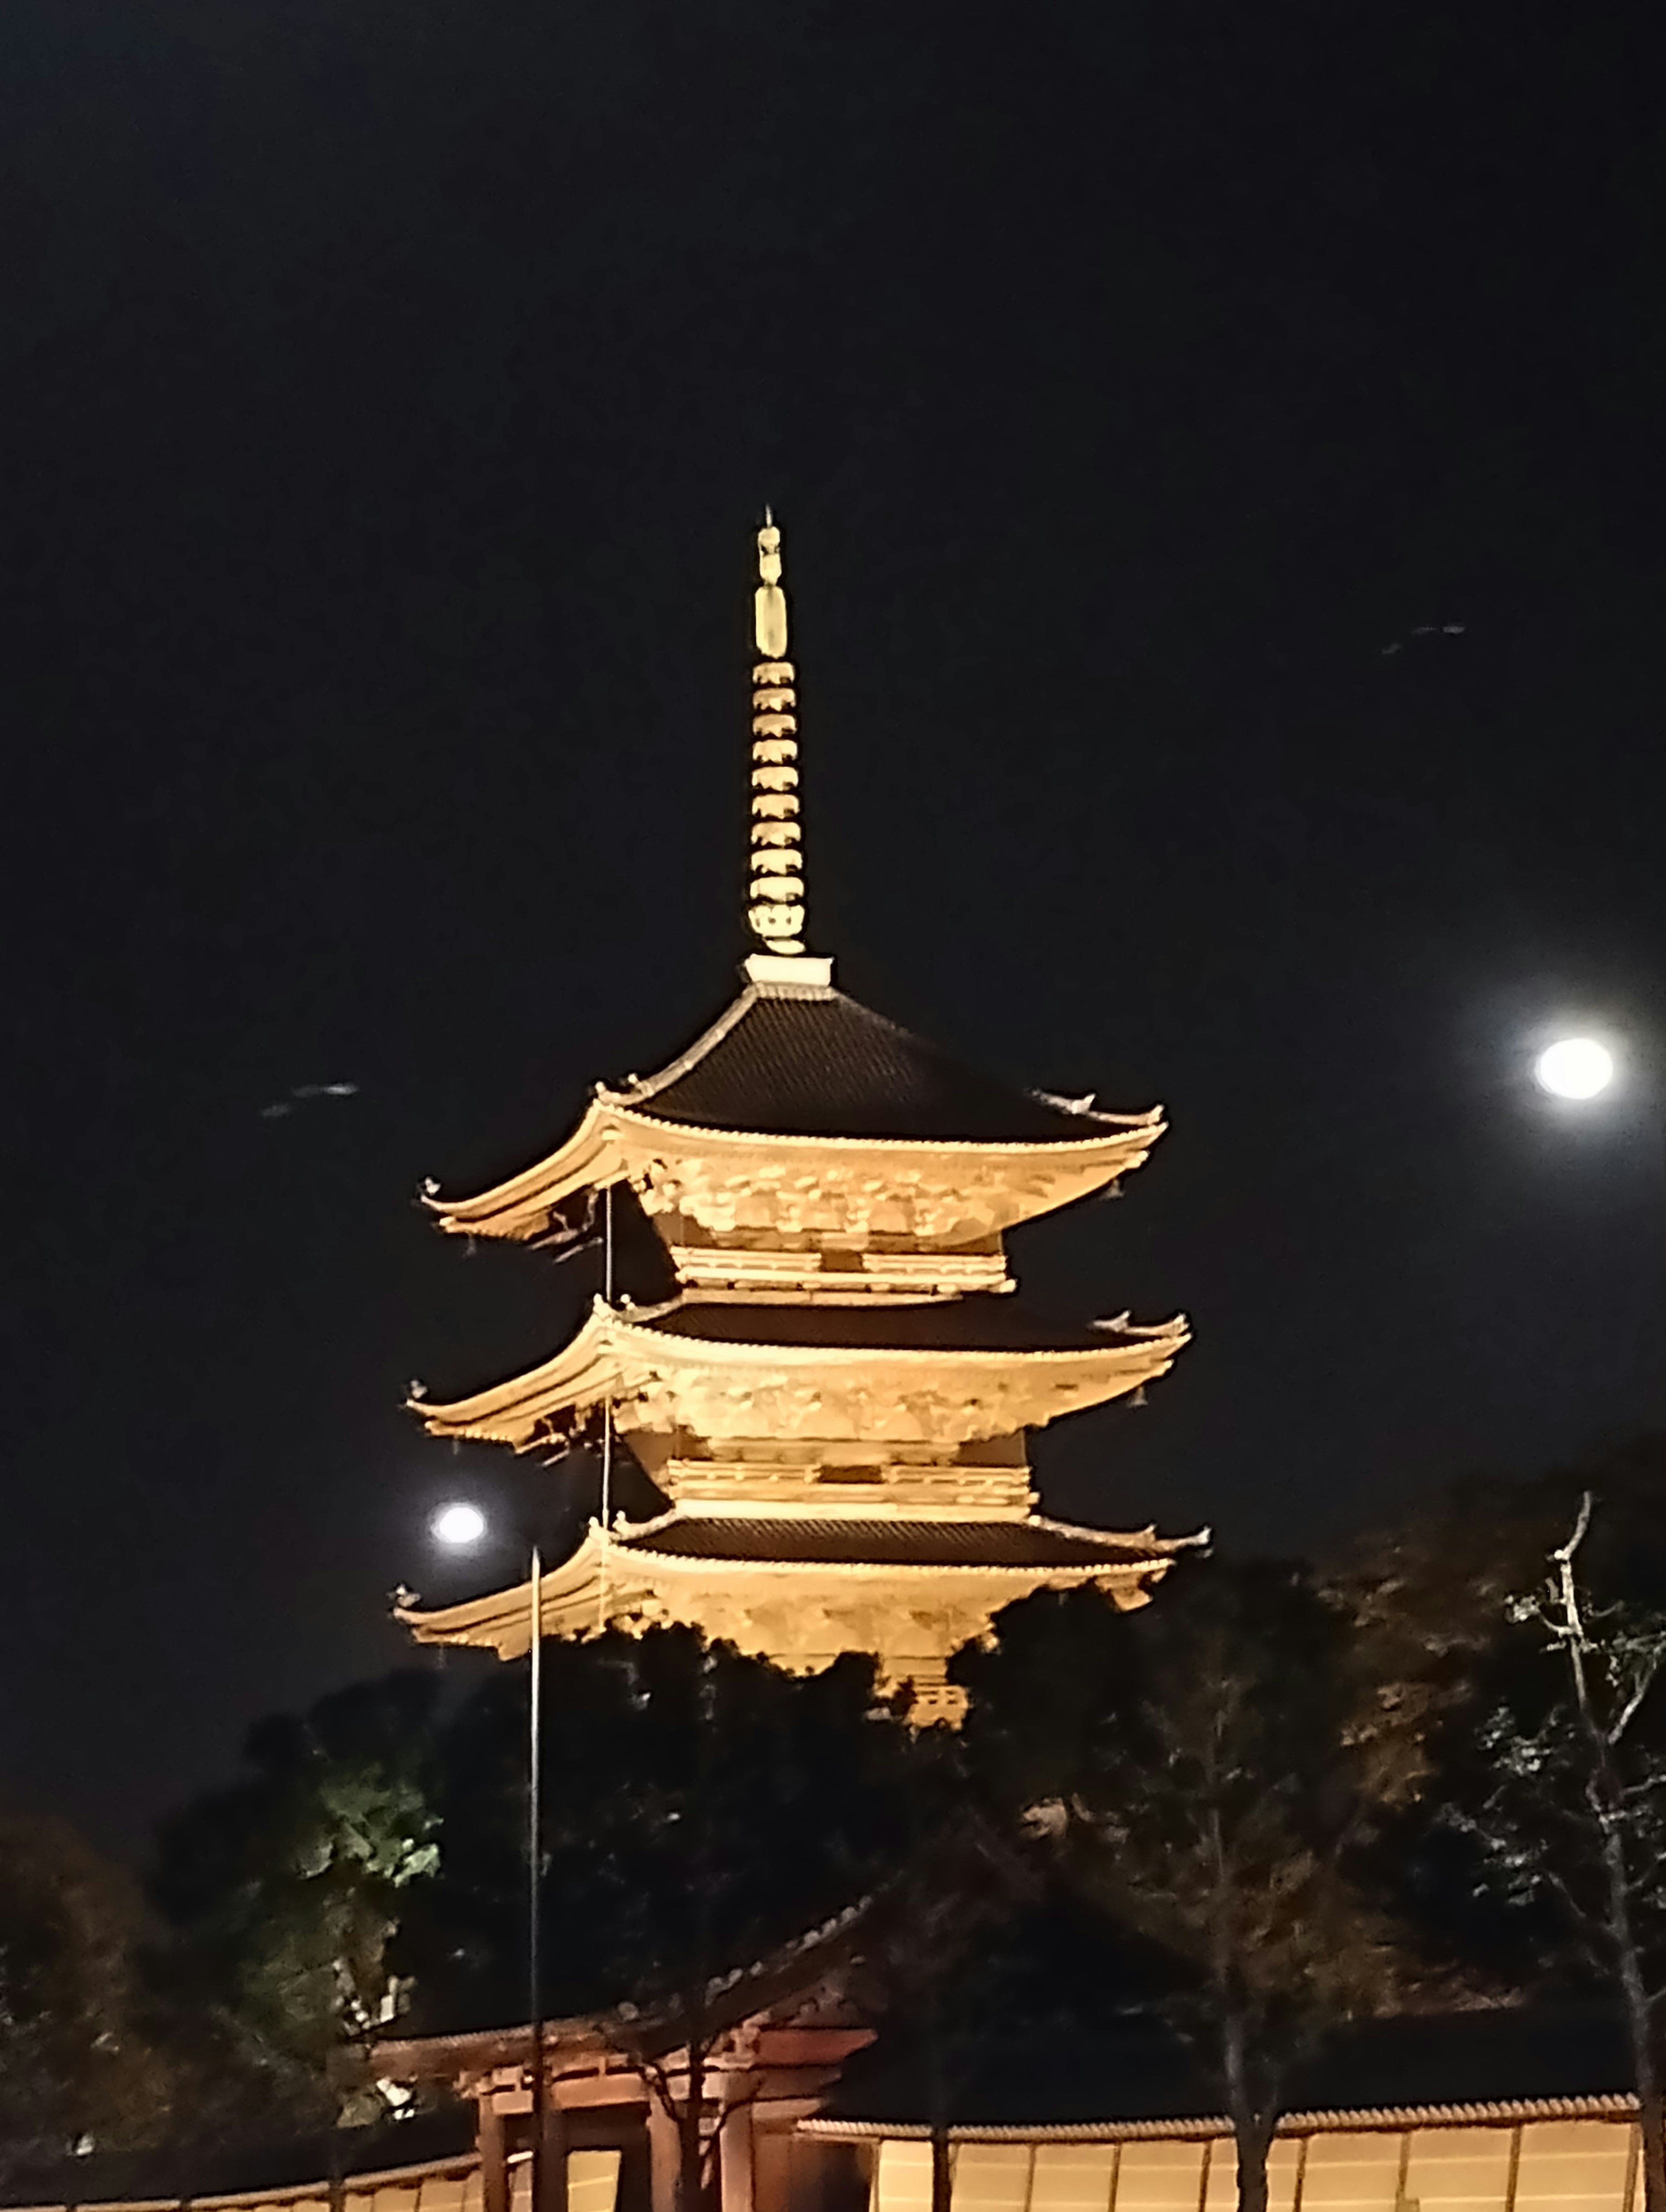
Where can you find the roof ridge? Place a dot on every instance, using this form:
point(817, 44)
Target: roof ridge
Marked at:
point(709, 1039)
point(1319, 2119)
point(1198, 1539)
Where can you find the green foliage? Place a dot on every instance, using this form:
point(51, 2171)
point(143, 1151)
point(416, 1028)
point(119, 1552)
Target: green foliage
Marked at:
point(285, 1890)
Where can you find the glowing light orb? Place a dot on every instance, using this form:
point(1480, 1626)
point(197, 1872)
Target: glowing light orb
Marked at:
point(1574, 1067)
point(458, 1525)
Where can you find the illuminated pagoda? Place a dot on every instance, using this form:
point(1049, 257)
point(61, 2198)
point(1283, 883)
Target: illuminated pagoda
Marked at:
point(834, 1400)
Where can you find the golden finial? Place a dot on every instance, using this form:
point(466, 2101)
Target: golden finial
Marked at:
point(776, 907)
point(769, 601)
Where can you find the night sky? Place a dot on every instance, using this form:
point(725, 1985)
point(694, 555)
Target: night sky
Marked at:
point(389, 391)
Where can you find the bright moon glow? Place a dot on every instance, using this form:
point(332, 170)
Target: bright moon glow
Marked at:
point(459, 1524)
point(1574, 1067)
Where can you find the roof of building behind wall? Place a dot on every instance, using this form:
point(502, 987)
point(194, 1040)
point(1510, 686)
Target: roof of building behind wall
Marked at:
point(209, 2164)
point(1487, 2061)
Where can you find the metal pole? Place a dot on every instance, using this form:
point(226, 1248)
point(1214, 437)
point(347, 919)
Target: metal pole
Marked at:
point(607, 1422)
point(535, 1870)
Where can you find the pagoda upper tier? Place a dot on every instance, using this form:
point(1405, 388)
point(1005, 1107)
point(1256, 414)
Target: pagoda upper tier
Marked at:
point(804, 1143)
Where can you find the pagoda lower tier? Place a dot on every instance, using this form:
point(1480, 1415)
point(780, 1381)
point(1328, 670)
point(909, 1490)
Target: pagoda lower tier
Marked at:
point(911, 1591)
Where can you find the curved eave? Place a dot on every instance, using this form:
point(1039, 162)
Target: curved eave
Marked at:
point(1102, 1129)
point(603, 1578)
point(582, 1373)
point(520, 1208)
point(502, 1620)
point(1128, 1345)
point(615, 1140)
point(612, 1358)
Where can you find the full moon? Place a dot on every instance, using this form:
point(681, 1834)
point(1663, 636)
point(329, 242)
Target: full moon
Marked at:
point(459, 1524)
point(1574, 1067)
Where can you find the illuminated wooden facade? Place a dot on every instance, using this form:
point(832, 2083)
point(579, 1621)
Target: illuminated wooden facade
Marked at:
point(834, 1400)
point(1472, 2137)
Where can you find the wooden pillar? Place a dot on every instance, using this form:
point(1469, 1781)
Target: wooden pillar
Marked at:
point(493, 2160)
point(552, 2166)
point(664, 2156)
point(735, 2159)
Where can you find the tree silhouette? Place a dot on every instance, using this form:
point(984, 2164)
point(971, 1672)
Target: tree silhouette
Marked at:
point(1560, 1787)
point(1197, 1770)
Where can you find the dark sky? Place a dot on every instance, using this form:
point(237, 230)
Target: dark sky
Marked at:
point(388, 391)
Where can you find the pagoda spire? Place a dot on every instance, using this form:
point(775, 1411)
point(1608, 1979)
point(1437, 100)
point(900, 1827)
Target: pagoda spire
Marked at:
point(775, 909)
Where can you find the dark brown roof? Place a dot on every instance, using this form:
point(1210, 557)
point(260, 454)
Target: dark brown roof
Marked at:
point(214, 2163)
point(981, 1323)
point(812, 1063)
point(884, 1543)
point(1077, 2076)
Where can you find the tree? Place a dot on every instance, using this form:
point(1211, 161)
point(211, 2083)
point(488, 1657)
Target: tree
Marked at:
point(80, 2061)
point(1199, 1772)
point(1566, 1798)
point(1427, 1592)
point(285, 1892)
point(702, 1809)
point(935, 1966)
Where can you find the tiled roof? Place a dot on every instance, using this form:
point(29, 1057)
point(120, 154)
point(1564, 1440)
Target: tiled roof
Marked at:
point(840, 1542)
point(213, 2164)
point(983, 1321)
point(812, 1063)
point(1090, 2077)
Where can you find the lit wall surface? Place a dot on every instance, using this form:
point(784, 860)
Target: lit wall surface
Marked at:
point(1533, 2166)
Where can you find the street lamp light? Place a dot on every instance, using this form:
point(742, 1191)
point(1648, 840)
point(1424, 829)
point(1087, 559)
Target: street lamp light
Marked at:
point(459, 1526)
point(1574, 1067)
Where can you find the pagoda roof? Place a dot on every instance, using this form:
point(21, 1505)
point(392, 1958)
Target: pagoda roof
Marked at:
point(695, 1552)
point(804, 1060)
point(983, 1320)
point(801, 1066)
point(683, 1347)
point(837, 1541)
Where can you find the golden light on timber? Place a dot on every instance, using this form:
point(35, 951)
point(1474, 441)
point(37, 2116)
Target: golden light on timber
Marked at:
point(1574, 1067)
point(458, 1525)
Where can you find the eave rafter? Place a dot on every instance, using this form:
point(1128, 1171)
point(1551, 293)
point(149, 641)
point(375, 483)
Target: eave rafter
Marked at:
point(937, 1190)
point(723, 1389)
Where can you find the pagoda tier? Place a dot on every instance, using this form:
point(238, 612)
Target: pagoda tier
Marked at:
point(806, 1144)
point(800, 1591)
point(901, 1402)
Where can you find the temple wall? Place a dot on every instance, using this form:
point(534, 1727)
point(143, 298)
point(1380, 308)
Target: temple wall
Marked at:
point(1580, 2165)
point(447, 2186)
point(1587, 2165)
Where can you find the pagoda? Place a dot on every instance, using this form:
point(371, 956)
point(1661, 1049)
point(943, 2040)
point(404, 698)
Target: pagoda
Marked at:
point(832, 1389)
